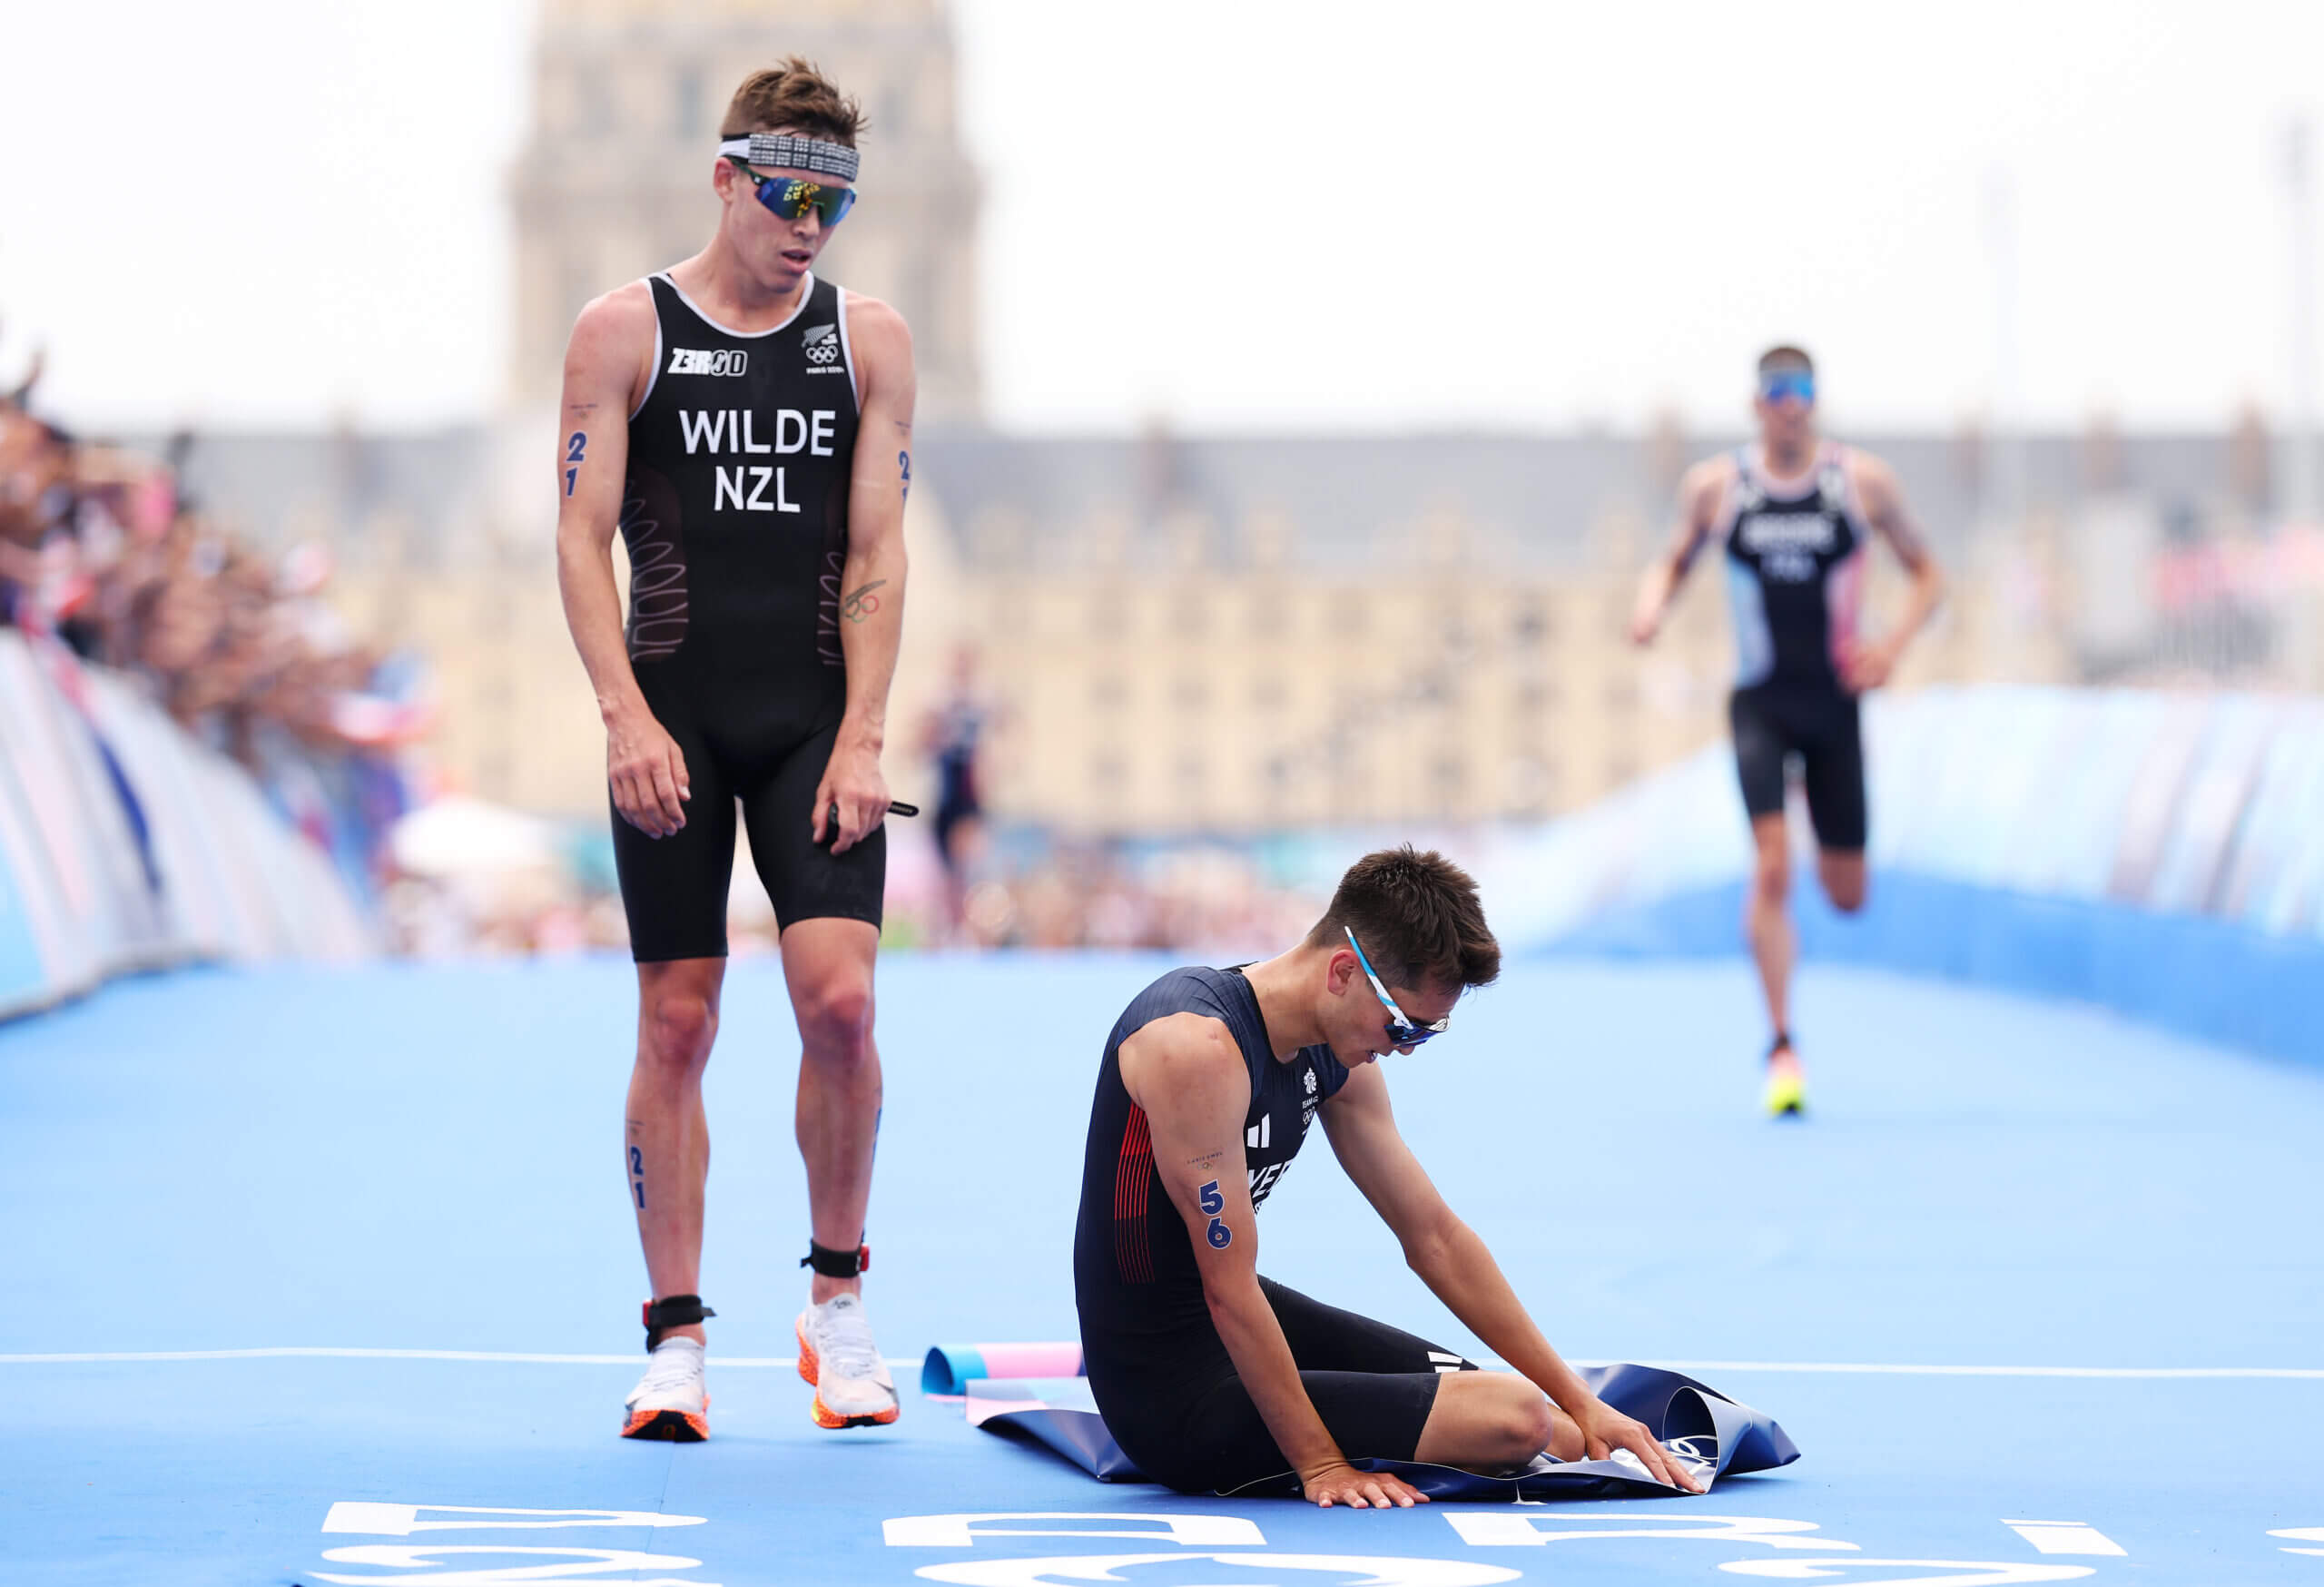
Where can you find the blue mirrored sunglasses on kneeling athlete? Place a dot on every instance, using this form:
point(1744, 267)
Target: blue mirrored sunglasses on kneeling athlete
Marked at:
point(1401, 1032)
point(1797, 384)
point(789, 197)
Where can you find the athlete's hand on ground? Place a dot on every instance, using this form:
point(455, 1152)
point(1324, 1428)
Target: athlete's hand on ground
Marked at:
point(1865, 665)
point(852, 780)
point(647, 772)
point(1341, 1483)
point(1604, 1430)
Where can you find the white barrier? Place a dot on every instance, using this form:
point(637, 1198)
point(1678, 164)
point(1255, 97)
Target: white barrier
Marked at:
point(126, 845)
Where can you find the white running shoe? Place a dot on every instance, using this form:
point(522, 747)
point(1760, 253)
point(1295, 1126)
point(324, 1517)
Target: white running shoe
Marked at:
point(852, 1388)
point(670, 1402)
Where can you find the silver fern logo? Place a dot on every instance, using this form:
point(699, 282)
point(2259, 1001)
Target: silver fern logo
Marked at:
point(822, 343)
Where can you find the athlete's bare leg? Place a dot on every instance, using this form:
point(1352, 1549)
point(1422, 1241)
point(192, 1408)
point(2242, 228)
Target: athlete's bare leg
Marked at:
point(828, 965)
point(1492, 1421)
point(666, 1138)
point(1767, 915)
point(968, 853)
point(1842, 872)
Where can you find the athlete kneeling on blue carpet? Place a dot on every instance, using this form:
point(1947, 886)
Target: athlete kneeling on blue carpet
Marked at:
point(1213, 1378)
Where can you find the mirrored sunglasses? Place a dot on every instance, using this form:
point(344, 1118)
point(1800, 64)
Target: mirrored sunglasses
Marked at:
point(789, 197)
point(1798, 384)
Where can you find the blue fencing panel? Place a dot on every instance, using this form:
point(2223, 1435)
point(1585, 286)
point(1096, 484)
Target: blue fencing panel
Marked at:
point(2160, 853)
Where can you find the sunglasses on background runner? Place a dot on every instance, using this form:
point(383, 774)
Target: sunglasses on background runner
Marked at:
point(1783, 383)
point(791, 198)
point(1401, 1032)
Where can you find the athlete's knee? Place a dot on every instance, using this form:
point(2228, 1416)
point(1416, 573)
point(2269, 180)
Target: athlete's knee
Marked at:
point(1770, 878)
point(1845, 884)
point(1519, 1425)
point(1770, 862)
point(1531, 1428)
point(835, 1015)
point(679, 1027)
point(1487, 1418)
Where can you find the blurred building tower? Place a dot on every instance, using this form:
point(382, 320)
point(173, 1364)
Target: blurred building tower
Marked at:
point(614, 178)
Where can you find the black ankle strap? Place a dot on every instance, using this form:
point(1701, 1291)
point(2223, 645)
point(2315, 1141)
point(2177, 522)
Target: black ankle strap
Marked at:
point(834, 1263)
point(672, 1311)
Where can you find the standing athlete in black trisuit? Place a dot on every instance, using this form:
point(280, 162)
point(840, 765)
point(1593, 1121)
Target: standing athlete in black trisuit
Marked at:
point(1211, 1377)
point(1792, 517)
point(748, 429)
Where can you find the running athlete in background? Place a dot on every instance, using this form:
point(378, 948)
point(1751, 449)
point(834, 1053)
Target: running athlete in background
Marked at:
point(954, 737)
point(1211, 1377)
point(748, 427)
point(1792, 518)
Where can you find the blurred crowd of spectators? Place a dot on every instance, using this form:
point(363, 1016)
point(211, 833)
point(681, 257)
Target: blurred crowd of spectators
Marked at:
point(103, 548)
point(1197, 896)
point(550, 891)
point(103, 552)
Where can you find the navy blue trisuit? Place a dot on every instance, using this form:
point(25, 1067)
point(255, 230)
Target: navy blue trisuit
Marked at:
point(1158, 1369)
point(735, 515)
point(959, 728)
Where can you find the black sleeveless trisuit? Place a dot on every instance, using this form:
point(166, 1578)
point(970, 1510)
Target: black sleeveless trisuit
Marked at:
point(734, 514)
point(1794, 582)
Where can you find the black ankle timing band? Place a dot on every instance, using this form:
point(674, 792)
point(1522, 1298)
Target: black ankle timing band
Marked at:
point(834, 1263)
point(672, 1311)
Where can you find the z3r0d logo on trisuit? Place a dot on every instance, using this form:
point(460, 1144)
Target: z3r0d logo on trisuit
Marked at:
point(707, 360)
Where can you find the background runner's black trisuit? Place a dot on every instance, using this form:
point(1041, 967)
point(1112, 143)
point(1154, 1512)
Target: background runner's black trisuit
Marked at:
point(958, 731)
point(1159, 1371)
point(734, 513)
point(1795, 574)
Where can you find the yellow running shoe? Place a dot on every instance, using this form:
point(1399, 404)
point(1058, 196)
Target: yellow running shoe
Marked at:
point(1784, 1095)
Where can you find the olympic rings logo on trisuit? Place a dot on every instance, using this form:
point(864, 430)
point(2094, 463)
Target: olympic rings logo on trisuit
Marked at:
point(822, 344)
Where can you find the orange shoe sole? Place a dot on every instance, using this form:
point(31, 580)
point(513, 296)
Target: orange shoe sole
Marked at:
point(824, 1416)
point(667, 1427)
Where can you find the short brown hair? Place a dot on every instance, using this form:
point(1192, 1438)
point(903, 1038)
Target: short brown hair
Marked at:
point(1418, 918)
point(792, 96)
point(1785, 356)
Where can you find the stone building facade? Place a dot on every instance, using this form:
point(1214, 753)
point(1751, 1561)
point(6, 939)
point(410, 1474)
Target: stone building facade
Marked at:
point(1293, 630)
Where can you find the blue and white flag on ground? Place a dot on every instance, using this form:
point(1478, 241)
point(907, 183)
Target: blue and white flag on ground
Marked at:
point(1713, 1436)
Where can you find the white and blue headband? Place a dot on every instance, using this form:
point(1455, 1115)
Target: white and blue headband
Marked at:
point(787, 153)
